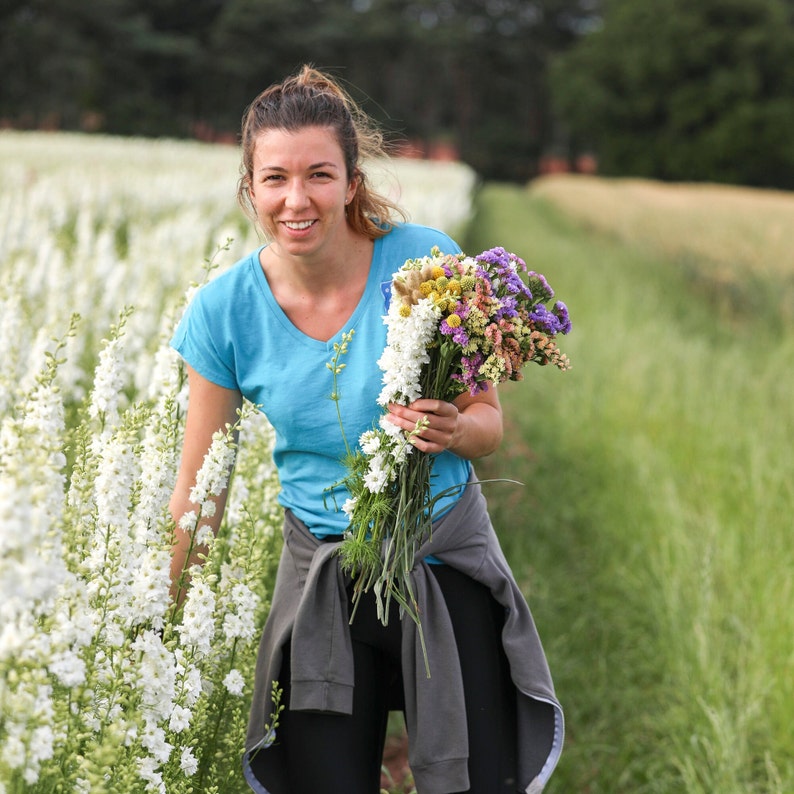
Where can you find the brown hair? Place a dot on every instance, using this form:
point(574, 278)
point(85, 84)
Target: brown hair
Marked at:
point(312, 98)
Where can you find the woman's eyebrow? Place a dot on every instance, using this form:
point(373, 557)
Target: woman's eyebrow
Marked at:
point(322, 164)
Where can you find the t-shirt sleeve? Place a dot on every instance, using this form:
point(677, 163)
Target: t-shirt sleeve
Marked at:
point(202, 340)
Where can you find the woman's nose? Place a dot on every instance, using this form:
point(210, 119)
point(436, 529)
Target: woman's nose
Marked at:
point(297, 198)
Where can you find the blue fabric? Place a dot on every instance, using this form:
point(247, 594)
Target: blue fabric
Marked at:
point(235, 334)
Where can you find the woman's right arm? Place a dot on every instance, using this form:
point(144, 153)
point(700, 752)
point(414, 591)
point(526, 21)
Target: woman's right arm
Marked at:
point(210, 408)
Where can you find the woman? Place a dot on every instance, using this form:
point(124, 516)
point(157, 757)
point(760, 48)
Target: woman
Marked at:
point(487, 721)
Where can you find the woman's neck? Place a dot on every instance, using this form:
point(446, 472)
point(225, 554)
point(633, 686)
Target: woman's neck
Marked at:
point(319, 295)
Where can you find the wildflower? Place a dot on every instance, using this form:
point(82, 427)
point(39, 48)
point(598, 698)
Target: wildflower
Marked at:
point(197, 628)
point(179, 719)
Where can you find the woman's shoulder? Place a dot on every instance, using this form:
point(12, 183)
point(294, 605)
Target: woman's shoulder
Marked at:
point(420, 238)
point(232, 281)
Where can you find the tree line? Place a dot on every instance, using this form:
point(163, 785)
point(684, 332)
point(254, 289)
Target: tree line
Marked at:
point(692, 89)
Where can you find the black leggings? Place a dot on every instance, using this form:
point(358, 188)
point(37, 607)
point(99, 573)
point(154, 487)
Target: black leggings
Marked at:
point(332, 752)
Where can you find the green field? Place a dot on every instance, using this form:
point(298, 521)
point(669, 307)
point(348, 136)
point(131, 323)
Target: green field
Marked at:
point(653, 531)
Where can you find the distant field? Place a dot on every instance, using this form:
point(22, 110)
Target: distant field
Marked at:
point(738, 243)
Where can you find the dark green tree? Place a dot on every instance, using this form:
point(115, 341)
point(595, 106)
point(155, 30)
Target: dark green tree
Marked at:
point(471, 73)
point(682, 90)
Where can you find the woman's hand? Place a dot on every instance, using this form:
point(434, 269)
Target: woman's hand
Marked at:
point(471, 426)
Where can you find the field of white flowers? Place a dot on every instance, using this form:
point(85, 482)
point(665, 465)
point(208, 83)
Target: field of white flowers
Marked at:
point(104, 685)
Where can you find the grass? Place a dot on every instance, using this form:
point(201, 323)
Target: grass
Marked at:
point(653, 531)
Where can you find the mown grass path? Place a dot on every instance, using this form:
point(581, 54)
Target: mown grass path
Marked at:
point(653, 531)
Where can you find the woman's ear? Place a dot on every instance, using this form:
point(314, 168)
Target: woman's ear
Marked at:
point(352, 187)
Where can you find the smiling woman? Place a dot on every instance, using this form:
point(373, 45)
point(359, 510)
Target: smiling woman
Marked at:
point(333, 245)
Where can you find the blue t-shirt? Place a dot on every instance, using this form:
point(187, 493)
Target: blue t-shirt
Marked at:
point(236, 335)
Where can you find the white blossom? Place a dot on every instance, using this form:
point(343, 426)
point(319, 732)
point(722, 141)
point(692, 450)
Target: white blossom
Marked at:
point(109, 381)
point(405, 353)
point(179, 719)
point(198, 628)
point(234, 682)
point(68, 668)
point(188, 762)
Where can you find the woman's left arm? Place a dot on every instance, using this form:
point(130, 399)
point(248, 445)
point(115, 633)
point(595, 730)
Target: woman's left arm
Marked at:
point(470, 426)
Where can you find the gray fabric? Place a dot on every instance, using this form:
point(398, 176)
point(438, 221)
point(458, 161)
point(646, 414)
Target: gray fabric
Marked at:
point(310, 609)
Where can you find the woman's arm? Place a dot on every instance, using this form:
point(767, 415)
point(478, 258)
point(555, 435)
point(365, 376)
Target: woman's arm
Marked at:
point(470, 426)
point(210, 408)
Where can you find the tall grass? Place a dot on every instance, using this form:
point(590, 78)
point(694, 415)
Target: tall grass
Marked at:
point(653, 531)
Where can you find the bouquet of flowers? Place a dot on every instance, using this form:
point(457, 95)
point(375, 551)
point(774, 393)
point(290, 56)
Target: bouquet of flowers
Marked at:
point(455, 323)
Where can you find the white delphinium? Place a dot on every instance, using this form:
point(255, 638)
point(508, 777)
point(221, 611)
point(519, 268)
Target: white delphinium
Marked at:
point(405, 353)
point(29, 738)
point(149, 771)
point(197, 629)
point(31, 505)
point(110, 377)
point(188, 762)
point(13, 332)
point(213, 476)
point(154, 674)
point(234, 682)
point(239, 608)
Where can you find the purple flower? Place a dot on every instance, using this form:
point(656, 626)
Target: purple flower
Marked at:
point(495, 256)
point(508, 307)
point(561, 311)
point(470, 366)
point(541, 290)
point(459, 335)
point(505, 268)
point(544, 320)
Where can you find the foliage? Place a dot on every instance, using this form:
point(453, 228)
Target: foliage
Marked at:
point(187, 67)
point(736, 244)
point(685, 91)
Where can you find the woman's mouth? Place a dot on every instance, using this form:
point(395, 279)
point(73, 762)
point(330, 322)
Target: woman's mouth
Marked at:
point(298, 225)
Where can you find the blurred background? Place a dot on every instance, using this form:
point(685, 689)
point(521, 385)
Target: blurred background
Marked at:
point(667, 89)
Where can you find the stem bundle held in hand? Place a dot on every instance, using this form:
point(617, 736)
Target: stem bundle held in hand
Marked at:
point(455, 324)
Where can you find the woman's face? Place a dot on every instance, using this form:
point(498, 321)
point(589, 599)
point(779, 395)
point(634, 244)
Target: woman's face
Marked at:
point(300, 188)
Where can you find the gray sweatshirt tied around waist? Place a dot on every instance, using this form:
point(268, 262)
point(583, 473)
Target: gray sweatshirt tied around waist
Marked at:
point(310, 610)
